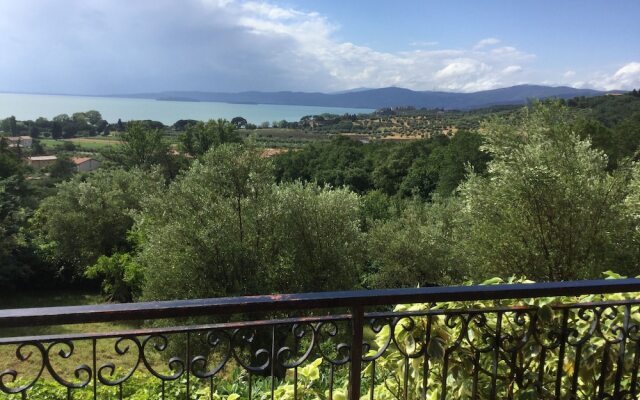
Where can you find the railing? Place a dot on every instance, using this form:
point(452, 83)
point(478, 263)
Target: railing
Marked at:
point(342, 344)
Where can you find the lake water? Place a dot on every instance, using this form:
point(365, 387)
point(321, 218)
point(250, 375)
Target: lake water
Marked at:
point(32, 106)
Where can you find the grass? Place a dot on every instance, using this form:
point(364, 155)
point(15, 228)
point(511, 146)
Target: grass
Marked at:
point(85, 144)
point(105, 349)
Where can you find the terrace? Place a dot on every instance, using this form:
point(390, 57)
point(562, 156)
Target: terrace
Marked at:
point(482, 342)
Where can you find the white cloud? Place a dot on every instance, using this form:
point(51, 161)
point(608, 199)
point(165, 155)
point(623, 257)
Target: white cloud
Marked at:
point(486, 43)
point(569, 74)
point(625, 78)
point(423, 43)
point(109, 46)
point(511, 69)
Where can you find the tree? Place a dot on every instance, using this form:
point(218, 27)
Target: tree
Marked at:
point(207, 234)
point(239, 122)
point(224, 228)
point(182, 124)
point(62, 118)
point(321, 245)
point(10, 163)
point(37, 148)
point(79, 117)
point(93, 116)
point(101, 126)
point(56, 130)
point(548, 208)
point(141, 147)
point(90, 216)
point(13, 216)
point(13, 127)
point(34, 132)
point(62, 168)
point(415, 248)
point(198, 138)
point(122, 277)
point(70, 129)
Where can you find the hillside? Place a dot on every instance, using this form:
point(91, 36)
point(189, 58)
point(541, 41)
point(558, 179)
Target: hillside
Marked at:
point(381, 98)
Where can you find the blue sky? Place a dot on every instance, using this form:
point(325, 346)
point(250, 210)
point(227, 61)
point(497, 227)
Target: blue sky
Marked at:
point(118, 46)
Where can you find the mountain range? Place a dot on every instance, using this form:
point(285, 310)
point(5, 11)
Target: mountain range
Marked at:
point(381, 98)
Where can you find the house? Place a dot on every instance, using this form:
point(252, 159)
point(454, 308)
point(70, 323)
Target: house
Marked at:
point(20, 141)
point(85, 164)
point(39, 162)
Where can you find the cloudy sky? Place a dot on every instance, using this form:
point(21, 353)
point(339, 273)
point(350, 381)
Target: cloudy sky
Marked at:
point(127, 46)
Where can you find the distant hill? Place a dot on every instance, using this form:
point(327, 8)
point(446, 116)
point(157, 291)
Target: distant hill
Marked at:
point(384, 97)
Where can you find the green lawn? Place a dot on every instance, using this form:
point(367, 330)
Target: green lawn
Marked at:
point(86, 144)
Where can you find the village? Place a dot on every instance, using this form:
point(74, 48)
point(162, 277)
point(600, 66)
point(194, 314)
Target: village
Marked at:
point(81, 163)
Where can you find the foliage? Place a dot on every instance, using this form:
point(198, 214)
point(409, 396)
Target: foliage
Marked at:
point(199, 137)
point(548, 207)
point(122, 277)
point(89, 216)
point(409, 334)
point(224, 228)
point(62, 168)
point(9, 161)
point(415, 248)
point(320, 245)
point(208, 234)
point(141, 147)
point(403, 169)
point(13, 216)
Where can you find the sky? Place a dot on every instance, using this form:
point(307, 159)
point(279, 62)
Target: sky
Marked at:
point(134, 46)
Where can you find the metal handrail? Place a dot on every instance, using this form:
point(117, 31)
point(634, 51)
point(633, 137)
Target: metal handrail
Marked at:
point(22, 317)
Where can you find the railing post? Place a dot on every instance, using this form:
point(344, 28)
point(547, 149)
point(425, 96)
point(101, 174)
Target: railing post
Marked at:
point(357, 322)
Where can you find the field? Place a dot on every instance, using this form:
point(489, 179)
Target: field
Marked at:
point(83, 144)
point(283, 137)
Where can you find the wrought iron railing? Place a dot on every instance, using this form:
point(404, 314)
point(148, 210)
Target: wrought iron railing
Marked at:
point(428, 343)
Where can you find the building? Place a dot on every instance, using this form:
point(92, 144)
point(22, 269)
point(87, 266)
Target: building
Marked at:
point(85, 164)
point(20, 141)
point(39, 162)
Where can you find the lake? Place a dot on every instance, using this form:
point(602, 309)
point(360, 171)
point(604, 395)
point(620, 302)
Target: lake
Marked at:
point(32, 106)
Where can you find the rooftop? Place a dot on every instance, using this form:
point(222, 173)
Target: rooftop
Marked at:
point(42, 158)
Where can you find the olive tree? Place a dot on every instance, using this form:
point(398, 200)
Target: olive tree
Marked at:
point(90, 215)
point(206, 235)
point(225, 228)
point(547, 207)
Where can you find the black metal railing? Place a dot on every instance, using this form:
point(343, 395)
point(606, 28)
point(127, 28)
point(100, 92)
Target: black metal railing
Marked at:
point(500, 341)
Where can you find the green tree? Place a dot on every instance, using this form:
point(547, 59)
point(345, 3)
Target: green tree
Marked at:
point(121, 276)
point(56, 130)
point(62, 118)
point(79, 117)
point(224, 228)
point(199, 137)
point(415, 249)
point(90, 216)
point(62, 168)
point(37, 148)
point(321, 246)
point(239, 122)
point(13, 216)
point(141, 147)
point(13, 126)
point(10, 163)
point(548, 208)
point(208, 234)
point(34, 132)
point(93, 116)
